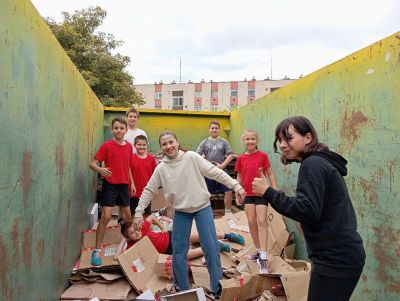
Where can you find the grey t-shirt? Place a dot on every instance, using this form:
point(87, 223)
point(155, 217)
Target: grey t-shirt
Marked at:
point(214, 150)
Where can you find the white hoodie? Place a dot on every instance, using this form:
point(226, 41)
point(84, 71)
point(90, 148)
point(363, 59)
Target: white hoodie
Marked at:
point(183, 184)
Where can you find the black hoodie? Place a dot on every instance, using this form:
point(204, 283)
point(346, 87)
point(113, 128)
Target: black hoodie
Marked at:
point(323, 207)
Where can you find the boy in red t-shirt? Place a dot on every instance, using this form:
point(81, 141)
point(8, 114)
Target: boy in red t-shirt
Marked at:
point(162, 240)
point(142, 167)
point(116, 155)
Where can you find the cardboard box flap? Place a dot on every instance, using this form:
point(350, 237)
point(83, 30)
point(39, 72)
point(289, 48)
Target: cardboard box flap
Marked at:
point(107, 257)
point(139, 263)
point(196, 294)
point(117, 290)
point(164, 266)
point(201, 277)
point(112, 236)
point(296, 285)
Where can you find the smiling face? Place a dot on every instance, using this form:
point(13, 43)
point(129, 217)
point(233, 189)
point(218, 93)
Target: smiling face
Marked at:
point(119, 130)
point(169, 146)
point(141, 147)
point(292, 147)
point(250, 141)
point(133, 234)
point(132, 120)
point(214, 130)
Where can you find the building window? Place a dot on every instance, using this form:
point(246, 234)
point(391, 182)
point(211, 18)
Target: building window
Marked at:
point(157, 95)
point(214, 93)
point(197, 93)
point(234, 93)
point(177, 100)
point(251, 92)
point(197, 108)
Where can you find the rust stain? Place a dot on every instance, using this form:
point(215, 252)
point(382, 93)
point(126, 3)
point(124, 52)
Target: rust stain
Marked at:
point(364, 277)
point(4, 270)
point(351, 128)
point(387, 261)
point(26, 175)
point(370, 187)
point(397, 251)
point(392, 166)
point(15, 240)
point(59, 159)
point(27, 248)
point(40, 249)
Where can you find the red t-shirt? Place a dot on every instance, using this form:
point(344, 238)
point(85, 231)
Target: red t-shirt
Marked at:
point(160, 240)
point(141, 170)
point(117, 158)
point(247, 165)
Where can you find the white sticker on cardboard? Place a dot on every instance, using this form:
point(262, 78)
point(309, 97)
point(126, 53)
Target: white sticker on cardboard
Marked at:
point(137, 266)
point(110, 251)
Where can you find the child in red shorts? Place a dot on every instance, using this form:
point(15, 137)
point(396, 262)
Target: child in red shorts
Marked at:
point(116, 155)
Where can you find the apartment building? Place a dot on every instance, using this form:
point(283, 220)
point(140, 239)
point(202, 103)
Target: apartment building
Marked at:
point(206, 96)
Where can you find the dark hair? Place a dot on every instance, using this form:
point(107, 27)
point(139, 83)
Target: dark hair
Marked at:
point(140, 137)
point(302, 126)
point(132, 110)
point(125, 226)
point(166, 133)
point(214, 122)
point(120, 120)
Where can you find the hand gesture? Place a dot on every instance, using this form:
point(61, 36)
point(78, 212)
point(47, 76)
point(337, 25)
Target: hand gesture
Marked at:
point(240, 194)
point(133, 190)
point(105, 171)
point(261, 184)
point(137, 220)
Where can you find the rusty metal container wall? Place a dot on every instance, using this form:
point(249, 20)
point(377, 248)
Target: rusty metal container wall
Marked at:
point(190, 127)
point(354, 104)
point(51, 123)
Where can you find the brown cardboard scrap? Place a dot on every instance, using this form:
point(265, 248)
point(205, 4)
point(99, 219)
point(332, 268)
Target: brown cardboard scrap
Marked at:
point(91, 276)
point(164, 266)
point(278, 235)
point(201, 277)
point(268, 296)
point(139, 264)
point(288, 251)
point(112, 222)
point(112, 236)
point(107, 257)
point(196, 294)
point(118, 290)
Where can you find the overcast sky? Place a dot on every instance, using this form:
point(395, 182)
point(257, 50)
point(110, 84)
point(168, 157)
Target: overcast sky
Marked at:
point(224, 40)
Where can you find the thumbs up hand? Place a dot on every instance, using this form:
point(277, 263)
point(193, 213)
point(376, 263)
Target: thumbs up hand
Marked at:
point(261, 184)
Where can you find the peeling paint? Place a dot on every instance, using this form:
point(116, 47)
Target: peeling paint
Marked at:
point(40, 247)
point(351, 128)
point(26, 175)
point(370, 187)
point(6, 293)
point(387, 56)
point(15, 241)
point(27, 248)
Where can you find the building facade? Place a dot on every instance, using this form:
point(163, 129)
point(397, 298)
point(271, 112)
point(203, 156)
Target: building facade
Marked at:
point(206, 96)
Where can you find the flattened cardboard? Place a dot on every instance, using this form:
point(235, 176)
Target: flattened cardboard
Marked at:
point(139, 264)
point(117, 290)
point(288, 251)
point(278, 235)
point(91, 276)
point(196, 294)
point(112, 236)
point(164, 266)
point(201, 277)
point(107, 257)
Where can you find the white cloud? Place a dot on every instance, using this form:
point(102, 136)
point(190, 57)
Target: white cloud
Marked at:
point(231, 40)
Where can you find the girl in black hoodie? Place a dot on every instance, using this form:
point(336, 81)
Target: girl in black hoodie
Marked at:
point(322, 206)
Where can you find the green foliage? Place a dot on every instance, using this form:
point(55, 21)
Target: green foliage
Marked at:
point(91, 52)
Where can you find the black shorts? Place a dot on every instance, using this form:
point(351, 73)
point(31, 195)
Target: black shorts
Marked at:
point(215, 187)
point(169, 249)
point(134, 202)
point(256, 200)
point(114, 194)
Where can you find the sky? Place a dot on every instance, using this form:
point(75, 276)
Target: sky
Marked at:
point(229, 40)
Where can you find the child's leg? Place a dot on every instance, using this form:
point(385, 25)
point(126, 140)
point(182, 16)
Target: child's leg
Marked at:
point(194, 253)
point(250, 210)
point(228, 201)
point(102, 226)
point(261, 211)
point(125, 213)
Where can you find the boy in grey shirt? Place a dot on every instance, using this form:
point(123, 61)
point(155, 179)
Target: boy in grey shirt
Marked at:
point(218, 151)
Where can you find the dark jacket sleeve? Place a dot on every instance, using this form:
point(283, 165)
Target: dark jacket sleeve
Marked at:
point(307, 205)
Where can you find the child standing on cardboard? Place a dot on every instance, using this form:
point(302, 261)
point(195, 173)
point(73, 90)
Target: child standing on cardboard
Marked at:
point(142, 167)
point(116, 155)
point(247, 168)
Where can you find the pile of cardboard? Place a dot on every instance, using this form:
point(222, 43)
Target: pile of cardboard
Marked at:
point(142, 268)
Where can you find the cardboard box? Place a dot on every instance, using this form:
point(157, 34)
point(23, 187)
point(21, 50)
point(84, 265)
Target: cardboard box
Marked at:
point(91, 276)
point(118, 290)
point(107, 257)
point(196, 294)
point(112, 236)
point(139, 266)
point(164, 266)
point(94, 215)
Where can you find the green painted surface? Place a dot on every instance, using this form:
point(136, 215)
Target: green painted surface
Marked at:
point(355, 107)
point(190, 127)
point(50, 124)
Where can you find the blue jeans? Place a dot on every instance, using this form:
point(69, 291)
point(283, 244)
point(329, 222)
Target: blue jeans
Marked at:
point(208, 241)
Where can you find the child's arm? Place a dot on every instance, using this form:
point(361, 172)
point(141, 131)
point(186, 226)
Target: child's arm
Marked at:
point(120, 248)
point(104, 171)
point(271, 177)
point(133, 188)
point(153, 220)
point(227, 160)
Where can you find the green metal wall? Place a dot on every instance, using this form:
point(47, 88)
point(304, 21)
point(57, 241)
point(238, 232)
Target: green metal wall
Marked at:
point(190, 127)
point(355, 106)
point(51, 123)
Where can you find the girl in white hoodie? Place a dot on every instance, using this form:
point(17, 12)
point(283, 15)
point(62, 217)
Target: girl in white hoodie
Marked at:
point(181, 176)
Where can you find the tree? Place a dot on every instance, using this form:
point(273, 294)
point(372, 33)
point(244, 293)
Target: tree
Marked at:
point(91, 52)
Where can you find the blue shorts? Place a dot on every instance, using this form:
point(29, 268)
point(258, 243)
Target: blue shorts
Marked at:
point(114, 194)
point(215, 187)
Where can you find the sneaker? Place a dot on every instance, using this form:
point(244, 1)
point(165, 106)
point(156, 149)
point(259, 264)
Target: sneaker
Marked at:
point(224, 247)
point(253, 256)
point(265, 268)
point(234, 237)
point(96, 259)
